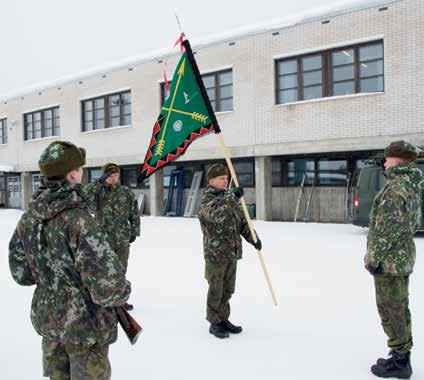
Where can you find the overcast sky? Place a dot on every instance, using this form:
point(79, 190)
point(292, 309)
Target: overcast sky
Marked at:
point(43, 40)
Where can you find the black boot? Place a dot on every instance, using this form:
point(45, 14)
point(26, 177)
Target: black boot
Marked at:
point(217, 330)
point(382, 361)
point(398, 366)
point(128, 306)
point(228, 326)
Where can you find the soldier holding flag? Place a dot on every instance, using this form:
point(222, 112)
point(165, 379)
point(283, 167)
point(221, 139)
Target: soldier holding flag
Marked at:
point(222, 222)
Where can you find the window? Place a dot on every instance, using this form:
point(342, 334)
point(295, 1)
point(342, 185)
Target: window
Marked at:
point(107, 111)
point(129, 177)
point(245, 170)
point(3, 131)
point(94, 174)
point(316, 171)
point(36, 182)
point(219, 87)
point(298, 169)
point(277, 172)
point(342, 71)
point(332, 172)
point(43, 123)
point(2, 183)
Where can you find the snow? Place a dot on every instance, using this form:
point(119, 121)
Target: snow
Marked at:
point(334, 9)
point(325, 327)
point(6, 168)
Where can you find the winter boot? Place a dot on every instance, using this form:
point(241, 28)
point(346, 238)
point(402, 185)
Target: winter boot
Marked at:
point(398, 366)
point(228, 326)
point(382, 361)
point(217, 330)
point(128, 306)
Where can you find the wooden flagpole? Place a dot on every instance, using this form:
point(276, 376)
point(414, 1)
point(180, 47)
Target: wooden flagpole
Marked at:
point(227, 156)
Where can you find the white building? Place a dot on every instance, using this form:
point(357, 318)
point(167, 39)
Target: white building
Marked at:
point(313, 97)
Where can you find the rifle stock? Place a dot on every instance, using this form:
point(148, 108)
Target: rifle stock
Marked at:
point(130, 326)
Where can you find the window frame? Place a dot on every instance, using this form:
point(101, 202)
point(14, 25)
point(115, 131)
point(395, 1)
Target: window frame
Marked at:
point(55, 128)
point(217, 90)
point(327, 72)
point(3, 129)
point(284, 179)
point(90, 177)
point(124, 176)
point(106, 112)
point(36, 178)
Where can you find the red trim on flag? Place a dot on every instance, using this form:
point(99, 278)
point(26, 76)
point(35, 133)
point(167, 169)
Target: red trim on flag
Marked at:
point(147, 170)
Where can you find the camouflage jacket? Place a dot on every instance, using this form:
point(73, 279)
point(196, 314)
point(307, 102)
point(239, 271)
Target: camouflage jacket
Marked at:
point(222, 221)
point(116, 210)
point(395, 217)
point(60, 248)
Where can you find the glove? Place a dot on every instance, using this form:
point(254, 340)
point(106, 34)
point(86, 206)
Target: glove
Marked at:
point(238, 192)
point(104, 177)
point(373, 270)
point(258, 244)
point(132, 239)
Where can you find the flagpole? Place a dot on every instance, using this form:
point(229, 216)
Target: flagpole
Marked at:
point(227, 156)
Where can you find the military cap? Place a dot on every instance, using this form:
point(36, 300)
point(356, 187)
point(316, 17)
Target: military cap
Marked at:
point(401, 149)
point(59, 158)
point(110, 167)
point(216, 170)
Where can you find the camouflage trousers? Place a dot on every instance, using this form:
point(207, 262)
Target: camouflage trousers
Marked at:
point(71, 362)
point(221, 278)
point(392, 297)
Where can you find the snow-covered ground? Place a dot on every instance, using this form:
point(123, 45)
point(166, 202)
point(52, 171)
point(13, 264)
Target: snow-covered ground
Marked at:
point(325, 327)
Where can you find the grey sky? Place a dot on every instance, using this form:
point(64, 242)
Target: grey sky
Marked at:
point(45, 40)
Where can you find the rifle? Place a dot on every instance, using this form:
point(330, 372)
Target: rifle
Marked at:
point(130, 326)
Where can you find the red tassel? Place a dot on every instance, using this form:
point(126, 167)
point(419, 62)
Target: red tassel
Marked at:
point(180, 42)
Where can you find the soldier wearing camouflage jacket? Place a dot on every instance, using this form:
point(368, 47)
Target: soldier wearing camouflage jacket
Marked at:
point(60, 248)
point(395, 217)
point(116, 209)
point(223, 223)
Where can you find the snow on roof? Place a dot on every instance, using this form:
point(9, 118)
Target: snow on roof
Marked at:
point(338, 8)
point(6, 168)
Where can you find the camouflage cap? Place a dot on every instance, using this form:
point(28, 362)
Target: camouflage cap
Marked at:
point(59, 158)
point(216, 170)
point(401, 149)
point(110, 167)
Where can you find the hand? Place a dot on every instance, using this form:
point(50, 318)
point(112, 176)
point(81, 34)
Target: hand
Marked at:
point(258, 244)
point(132, 239)
point(104, 177)
point(238, 192)
point(373, 270)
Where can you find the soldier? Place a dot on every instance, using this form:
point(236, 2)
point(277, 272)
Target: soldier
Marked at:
point(222, 222)
point(116, 210)
point(59, 247)
point(390, 258)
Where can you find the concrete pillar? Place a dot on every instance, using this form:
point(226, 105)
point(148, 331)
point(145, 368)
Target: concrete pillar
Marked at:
point(26, 189)
point(263, 180)
point(156, 193)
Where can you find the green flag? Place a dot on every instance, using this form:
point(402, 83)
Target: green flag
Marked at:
point(186, 115)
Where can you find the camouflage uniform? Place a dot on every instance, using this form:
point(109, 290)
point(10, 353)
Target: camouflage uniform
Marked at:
point(116, 210)
point(222, 222)
point(60, 248)
point(395, 217)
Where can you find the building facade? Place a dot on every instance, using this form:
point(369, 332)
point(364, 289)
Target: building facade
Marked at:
point(300, 106)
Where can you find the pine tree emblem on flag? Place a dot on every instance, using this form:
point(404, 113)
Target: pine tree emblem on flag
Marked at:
point(183, 118)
